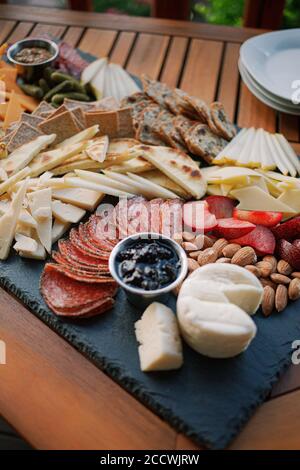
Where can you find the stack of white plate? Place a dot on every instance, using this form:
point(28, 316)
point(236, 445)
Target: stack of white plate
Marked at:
point(269, 65)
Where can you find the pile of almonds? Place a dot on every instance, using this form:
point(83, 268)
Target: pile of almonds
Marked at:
point(279, 281)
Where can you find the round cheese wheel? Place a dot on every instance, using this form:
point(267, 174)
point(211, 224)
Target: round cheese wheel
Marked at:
point(213, 309)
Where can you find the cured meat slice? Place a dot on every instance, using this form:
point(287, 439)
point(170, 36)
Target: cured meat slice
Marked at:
point(91, 233)
point(62, 292)
point(60, 259)
point(86, 249)
point(171, 217)
point(133, 216)
point(155, 219)
point(87, 311)
point(71, 252)
point(83, 276)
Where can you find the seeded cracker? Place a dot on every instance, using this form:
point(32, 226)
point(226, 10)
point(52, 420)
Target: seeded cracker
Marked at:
point(63, 125)
point(203, 142)
point(22, 135)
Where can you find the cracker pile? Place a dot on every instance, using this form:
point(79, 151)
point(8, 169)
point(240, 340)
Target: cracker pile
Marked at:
point(166, 116)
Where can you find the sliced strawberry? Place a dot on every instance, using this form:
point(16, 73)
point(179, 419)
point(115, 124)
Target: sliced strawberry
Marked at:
point(197, 217)
point(233, 228)
point(289, 253)
point(221, 206)
point(266, 218)
point(288, 230)
point(261, 239)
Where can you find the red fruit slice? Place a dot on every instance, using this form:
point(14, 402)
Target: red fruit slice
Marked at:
point(261, 239)
point(233, 228)
point(288, 230)
point(296, 243)
point(266, 218)
point(197, 217)
point(289, 253)
point(221, 206)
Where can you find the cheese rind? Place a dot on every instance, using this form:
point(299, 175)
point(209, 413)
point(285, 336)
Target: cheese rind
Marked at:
point(158, 335)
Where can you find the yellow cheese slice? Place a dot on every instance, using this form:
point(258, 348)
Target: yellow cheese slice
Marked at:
point(214, 190)
point(10, 182)
point(38, 200)
point(80, 197)
point(291, 198)
point(9, 220)
point(253, 198)
point(13, 112)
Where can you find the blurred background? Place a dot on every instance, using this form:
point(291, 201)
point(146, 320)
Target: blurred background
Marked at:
point(225, 12)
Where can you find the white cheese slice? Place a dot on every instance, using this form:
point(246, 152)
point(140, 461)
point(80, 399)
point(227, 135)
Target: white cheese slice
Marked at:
point(48, 160)
point(3, 174)
point(283, 157)
point(153, 189)
point(23, 155)
point(27, 219)
point(267, 160)
point(25, 244)
point(129, 85)
point(40, 204)
point(244, 153)
point(289, 151)
point(39, 254)
point(97, 149)
point(99, 80)
point(252, 197)
point(24, 229)
point(12, 180)
point(80, 197)
point(280, 164)
point(279, 177)
point(103, 179)
point(158, 335)
point(86, 134)
point(59, 229)
point(81, 183)
point(226, 152)
point(9, 220)
point(92, 69)
point(67, 212)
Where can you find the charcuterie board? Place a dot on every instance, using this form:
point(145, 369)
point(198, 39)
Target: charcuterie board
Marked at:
point(207, 399)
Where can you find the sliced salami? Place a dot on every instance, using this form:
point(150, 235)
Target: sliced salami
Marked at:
point(93, 231)
point(90, 310)
point(60, 259)
point(71, 252)
point(83, 276)
point(84, 248)
point(62, 292)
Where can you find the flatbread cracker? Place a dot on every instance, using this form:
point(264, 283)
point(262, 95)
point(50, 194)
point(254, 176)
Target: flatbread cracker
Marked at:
point(22, 135)
point(63, 125)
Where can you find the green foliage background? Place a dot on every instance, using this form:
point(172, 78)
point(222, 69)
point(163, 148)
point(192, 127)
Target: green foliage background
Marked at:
point(228, 12)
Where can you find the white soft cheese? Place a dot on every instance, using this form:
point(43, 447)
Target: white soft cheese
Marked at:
point(158, 335)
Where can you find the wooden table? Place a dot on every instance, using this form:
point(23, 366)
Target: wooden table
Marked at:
point(49, 392)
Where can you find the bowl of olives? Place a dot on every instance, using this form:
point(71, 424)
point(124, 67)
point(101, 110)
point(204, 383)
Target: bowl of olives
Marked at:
point(148, 266)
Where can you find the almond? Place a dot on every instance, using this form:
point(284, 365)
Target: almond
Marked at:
point(207, 256)
point(188, 236)
point(223, 260)
point(296, 274)
point(266, 282)
point(268, 301)
point(281, 297)
point(188, 246)
point(265, 268)
point(280, 278)
point(272, 260)
point(203, 241)
point(231, 249)
point(253, 269)
point(194, 254)
point(244, 256)
point(219, 245)
point(294, 289)
point(192, 264)
point(283, 267)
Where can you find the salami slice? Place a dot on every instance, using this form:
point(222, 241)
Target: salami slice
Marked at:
point(171, 217)
point(92, 230)
point(87, 311)
point(60, 259)
point(155, 219)
point(84, 248)
point(62, 292)
point(71, 252)
point(83, 276)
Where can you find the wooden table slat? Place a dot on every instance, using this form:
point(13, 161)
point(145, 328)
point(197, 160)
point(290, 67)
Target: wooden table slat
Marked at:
point(253, 112)
point(20, 32)
point(174, 61)
point(147, 55)
point(6, 28)
point(98, 42)
point(127, 23)
point(73, 35)
point(122, 48)
point(229, 79)
point(200, 75)
point(51, 29)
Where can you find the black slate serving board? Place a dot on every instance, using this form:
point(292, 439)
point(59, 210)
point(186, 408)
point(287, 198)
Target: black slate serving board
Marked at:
point(209, 400)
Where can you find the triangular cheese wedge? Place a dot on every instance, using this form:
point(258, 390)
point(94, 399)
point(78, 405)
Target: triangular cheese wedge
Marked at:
point(41, 210)
point(9, 221)
point(252, 197)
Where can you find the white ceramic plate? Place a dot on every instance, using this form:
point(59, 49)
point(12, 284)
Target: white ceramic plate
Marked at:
point(264, 98)
point(273, 60)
